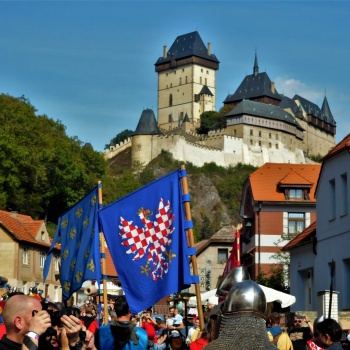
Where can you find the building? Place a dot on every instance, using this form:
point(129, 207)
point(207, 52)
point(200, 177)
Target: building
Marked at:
point(322, 249)
point(212, 255)
point(186, 81)
point(24, 244)
point(277, 203)
point(263, 126)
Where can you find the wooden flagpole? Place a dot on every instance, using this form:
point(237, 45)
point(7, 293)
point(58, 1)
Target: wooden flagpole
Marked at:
point(103, 265)
point(193, 257)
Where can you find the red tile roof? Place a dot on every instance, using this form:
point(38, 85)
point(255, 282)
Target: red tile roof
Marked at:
point(265, 181)
point(341, 146)
point(21, 227)
point(303, 237)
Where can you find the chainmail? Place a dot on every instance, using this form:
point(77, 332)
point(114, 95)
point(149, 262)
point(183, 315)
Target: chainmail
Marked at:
point(241, 332)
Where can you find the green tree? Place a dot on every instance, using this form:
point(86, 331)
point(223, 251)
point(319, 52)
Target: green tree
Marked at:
point(43, 171)
point(211, 120)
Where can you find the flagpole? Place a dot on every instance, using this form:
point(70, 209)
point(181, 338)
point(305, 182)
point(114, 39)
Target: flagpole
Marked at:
point(103, 260)
point(193, 257)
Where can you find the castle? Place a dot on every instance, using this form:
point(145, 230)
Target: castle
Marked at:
point(262, 125)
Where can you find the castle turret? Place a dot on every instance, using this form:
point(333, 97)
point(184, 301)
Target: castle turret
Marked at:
point(141, 143)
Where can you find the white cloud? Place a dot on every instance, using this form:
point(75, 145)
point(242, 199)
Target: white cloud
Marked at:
point(290, 87)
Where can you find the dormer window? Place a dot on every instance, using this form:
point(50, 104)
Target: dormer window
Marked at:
point(296, 194)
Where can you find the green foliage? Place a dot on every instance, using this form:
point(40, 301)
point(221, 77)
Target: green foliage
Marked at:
point(43, 171)
point(121, 137)
point(274, 279)
point(316, 158)
point(211, 120)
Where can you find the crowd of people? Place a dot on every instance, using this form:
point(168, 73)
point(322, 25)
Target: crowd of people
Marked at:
point(31, 322)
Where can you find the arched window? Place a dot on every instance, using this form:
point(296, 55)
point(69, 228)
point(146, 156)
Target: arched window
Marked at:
point(170, 99)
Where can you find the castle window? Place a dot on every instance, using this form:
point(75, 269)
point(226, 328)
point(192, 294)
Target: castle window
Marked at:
point(206, 81)
point(259, 133)
point(202, 70)
point(183, 70)
point(170, 100)
point(270, 145)
point(234, 132)
point(200, 80)
point(269, 135)
point(251, 142)
point(259, 143)
point(171, 84)
point(251, 132)
point(166, 74)
point(276, 136)
point(276, 145)
point(180, 81)
point(207, 72)
point(186, 79)
point(174, 71)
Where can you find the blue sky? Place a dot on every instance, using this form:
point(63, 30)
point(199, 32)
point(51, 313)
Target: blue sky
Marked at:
point(90, 64)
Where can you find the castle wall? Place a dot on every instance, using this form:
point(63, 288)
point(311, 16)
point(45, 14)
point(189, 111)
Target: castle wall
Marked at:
point(112, 151)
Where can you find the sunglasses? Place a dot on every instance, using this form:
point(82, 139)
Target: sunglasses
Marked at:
point(298, 321)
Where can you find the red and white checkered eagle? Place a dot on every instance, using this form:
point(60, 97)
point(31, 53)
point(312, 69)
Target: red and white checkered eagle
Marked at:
point(153, 238)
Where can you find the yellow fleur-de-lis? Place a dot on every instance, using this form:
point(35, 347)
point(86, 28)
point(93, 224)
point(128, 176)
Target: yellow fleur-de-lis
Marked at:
point(66, 286)
point(72, 265)
point(145, 269)
point(78, 276)
point(87, 253)
point(79, 213)
point(65, 254)
point(64, 223)
point(72, 233)
point(93, 200)
point(91, 265)
point(86, 221)
point(170, 255)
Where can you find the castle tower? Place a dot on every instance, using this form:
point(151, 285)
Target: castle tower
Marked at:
point(186, 81)
point(141, 143)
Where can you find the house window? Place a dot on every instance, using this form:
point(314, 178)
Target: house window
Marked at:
point(25, 256)
point(332, 199)
point(296, 223)
point(344, 194)
point(42, 259)
point(295, 193)
point(42, 235)
point(222, 255)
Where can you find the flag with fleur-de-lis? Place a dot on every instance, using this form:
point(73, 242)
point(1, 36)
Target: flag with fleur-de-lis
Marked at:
point(146, 236)
point(78, 233)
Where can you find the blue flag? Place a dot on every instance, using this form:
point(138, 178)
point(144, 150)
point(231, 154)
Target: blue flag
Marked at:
point(80, 250)
point(145, 234)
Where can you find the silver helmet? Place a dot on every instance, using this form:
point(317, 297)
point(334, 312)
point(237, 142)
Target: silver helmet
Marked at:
point(237, 274)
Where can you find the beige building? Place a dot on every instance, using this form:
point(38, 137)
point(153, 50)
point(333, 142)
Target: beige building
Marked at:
point(186, 81)
point(24, 244)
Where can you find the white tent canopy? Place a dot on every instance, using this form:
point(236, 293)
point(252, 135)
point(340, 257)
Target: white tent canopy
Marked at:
point(271, 295)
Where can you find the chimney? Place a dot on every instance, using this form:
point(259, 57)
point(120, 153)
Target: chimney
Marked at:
point(164, 51)
point(209, 49)
point(273, 87)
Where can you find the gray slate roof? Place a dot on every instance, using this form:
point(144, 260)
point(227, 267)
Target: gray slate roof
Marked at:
point(312, 109)
point(253, 86)
point(206, 91)
point(264, 110)
point(147, 124)
point(292, 105)
point(186, 45)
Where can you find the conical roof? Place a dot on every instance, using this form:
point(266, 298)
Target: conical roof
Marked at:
point(326, 112)
point(147, 124)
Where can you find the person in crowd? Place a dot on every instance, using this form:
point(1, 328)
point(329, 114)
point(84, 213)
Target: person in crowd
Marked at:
point(298, 334)
point(147, 323)
point(17, 314)
point(314, 343)
point(276, 334)
point(122, 333)
point(200, 342)
point(329, 334)
point(193, 332)
point(2, 327)
point(162, 336)
point(89, 321)
point(172, 316)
